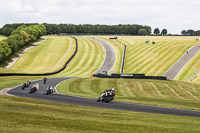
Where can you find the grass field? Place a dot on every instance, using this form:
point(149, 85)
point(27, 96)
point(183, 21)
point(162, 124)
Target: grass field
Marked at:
point(28, 115)
point(51, 55)
point(153, 59)
point(89, 59)
point(48, 56)
point(173, 94)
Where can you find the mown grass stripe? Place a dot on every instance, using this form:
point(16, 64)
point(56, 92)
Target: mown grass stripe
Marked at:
point(173, 92)
point(142, 62)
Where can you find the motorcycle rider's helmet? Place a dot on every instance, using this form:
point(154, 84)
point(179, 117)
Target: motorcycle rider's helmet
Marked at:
point(113, 89)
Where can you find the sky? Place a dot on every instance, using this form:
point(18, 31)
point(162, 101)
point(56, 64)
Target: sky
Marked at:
point(174, 15)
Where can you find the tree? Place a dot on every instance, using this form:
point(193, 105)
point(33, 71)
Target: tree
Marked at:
point(198, 32)
point(156, 31)
point(15, 42)
point(164, 32)
point(190, 32)
point(142, 32)
point(184, 32)
point(5, 51)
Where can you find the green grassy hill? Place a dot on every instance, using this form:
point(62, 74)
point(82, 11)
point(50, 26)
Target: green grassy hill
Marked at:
point(30, 115)
point(89, 59)
point(51, 55)
point(175, 94)
point(48, 56)
point(153, 59)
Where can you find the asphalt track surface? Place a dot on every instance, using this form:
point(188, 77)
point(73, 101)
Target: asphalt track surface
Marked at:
point(59, 98)
point(178, 66)
point(109, 58)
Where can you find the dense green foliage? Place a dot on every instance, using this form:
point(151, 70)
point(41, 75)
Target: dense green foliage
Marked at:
point(190, 32)
point(83, 29)
point(20, 37)
point(156, 31)
point(164, 32)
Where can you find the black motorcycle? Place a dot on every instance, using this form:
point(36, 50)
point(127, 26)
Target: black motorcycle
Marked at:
point(106, 96)
point(44, 80)
point(28, 83)
point(23, 86)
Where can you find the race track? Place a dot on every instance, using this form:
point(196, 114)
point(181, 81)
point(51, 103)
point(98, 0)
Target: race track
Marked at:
point(55, 97)
point(92, 102)
point(178, 66)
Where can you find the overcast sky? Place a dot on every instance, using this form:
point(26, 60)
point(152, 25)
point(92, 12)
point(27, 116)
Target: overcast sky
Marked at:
point(174, 15)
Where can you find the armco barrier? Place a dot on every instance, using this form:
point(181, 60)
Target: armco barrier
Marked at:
point(45, 74)
point(129, 76)
point(123, 59)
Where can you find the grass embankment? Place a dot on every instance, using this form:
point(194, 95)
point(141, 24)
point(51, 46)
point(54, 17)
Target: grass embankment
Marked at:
point(27, 115)
point(190, 69)
point(48, 56)
point(51, 55)
point(89, 59)
point(153, 59)
point(173, 94)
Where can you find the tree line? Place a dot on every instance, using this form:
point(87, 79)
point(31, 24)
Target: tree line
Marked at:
point(18, 38)
point(128, 29)
point(190, 32)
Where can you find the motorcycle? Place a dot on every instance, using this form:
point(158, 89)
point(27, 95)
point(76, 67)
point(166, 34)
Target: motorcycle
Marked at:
point(106, 96)
point(34, 88)
point(45, 80)
point(27, 83)
point(23, 86)
point(49, 90)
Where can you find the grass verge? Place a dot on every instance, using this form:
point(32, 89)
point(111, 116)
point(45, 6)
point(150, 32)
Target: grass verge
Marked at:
point(174, 94)
point(27, 115)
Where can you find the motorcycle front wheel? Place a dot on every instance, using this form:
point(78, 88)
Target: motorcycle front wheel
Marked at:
point(98, 100)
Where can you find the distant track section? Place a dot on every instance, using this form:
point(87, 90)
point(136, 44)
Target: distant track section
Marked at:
point(44, 74)
point(109, 58)
point(178, 66)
